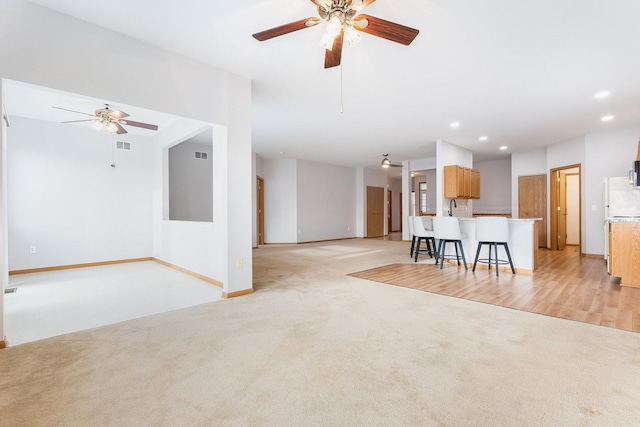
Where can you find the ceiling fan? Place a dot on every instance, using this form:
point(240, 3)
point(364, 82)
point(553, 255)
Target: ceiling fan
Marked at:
point(342, 23)
point(111, 120)
point(386, 163)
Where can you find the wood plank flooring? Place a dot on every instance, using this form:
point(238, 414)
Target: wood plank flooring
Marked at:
point(566, 285)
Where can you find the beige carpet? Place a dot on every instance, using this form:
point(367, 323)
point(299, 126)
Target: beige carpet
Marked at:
point(313, 346)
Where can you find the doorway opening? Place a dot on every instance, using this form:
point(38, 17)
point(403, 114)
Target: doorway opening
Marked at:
point(566, 207)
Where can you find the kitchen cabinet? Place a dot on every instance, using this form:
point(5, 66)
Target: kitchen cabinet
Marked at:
point(461, 182)
point(624, 252)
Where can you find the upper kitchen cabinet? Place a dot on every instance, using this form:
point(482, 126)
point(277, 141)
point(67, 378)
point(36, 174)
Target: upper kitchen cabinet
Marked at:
point(461, 182)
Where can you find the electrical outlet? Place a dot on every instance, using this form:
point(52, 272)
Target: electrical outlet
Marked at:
point(240, 263)
point(32, 249)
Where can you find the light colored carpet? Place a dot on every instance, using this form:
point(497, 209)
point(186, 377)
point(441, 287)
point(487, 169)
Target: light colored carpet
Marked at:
point(313, 346)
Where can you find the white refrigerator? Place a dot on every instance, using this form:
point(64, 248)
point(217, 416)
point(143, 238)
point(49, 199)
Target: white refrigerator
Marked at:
point(620, 200)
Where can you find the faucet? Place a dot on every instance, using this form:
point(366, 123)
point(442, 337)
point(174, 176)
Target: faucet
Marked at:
point(455, 205)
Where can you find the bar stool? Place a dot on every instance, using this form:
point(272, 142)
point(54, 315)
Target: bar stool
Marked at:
point(447, 230)
point(423, 234)
point(413, 237)
point(493, 231)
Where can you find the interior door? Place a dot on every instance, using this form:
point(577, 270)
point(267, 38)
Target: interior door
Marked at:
point(375, 211)
point(532, 202)
point(260, 213)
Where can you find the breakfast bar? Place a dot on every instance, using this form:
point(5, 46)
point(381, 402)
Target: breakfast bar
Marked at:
point(523, 243)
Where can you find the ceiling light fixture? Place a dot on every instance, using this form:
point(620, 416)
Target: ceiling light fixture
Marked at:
point(504, 147)
point(483, 138)
point(339, 18)
point(602, 94)
point(454, 124)
point(607, 118)
point(385, 162)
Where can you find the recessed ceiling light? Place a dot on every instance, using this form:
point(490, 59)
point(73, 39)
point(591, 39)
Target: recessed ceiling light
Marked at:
point(454, 124)
point(483, 138)
point(607, 118)
point(504, 147)
point(282, 152)
point(602, 94)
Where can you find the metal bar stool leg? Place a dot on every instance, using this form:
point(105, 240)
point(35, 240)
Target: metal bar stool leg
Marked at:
point(477, 256)
point(464, 261)
point(506, 248)
point(413, 243)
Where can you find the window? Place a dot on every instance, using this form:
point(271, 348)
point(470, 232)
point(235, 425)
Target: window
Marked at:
point(423, 198)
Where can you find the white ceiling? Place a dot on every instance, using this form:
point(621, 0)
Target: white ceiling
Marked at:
point(524, 73)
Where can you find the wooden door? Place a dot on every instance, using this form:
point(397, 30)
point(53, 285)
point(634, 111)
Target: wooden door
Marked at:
point(532, 202)
point(375, 211)
point(260, 212)
point(562, 211)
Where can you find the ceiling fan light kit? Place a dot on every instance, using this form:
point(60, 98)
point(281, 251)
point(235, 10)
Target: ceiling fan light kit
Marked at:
point(386, 163)
point(342, 23)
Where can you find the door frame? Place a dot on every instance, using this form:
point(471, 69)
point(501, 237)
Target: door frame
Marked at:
point(554, 196)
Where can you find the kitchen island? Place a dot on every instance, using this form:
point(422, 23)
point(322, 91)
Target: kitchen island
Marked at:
point(523, 243)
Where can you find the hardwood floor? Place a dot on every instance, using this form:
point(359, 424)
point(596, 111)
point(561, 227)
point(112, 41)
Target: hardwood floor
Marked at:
point(566, 285)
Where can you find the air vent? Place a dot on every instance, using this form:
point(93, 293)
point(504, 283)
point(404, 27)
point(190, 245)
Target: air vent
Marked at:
point(201, 155)
point(10, 290)
point(121, 145)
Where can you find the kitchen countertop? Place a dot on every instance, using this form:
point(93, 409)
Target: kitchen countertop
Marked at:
point(509, 219)
point(623, 219)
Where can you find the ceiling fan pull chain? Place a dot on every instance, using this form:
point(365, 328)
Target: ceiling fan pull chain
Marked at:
point(113, 150)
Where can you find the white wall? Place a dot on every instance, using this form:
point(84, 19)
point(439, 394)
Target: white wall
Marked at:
point(326, 201)
point(360, 202)
point(280, 201)
point(194, 245)
point(4, 242)
point(190, 182)
point(495, 187)
point(65, 199)
point(606, 154)
point(35, 40)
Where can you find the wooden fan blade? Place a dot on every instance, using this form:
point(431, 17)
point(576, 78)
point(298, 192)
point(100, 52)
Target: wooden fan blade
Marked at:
point(117, 114)
point(77, 121)
point(121, 130)
point(385, 29)
point(139, 124)
point(332, 57)
point(73, 111)
point(286, 29)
